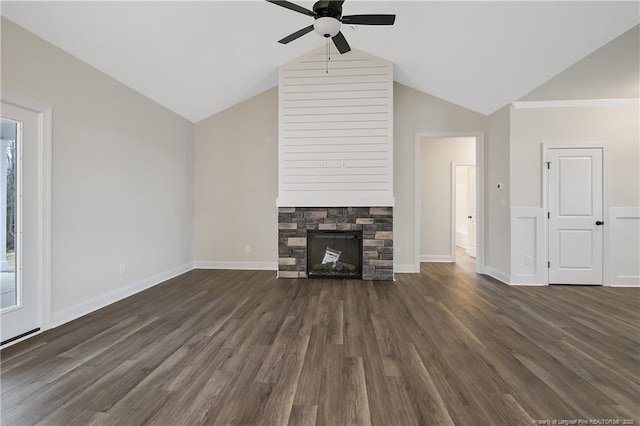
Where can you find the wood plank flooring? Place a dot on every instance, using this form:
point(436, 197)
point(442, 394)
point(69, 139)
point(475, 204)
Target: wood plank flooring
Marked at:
point(442, 347)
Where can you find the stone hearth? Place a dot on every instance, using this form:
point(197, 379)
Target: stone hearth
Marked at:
point(376, 224)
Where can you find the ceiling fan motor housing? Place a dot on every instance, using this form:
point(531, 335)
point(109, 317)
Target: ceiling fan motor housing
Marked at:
point(331, 9)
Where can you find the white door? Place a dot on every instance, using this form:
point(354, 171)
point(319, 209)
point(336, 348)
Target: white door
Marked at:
point(575, 216)
point(20, 309)
point(471, 224)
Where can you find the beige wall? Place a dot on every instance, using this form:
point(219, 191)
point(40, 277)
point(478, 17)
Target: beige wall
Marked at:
point(418, 112)
point(498, 232)
point(122, 173)
point(610, 72)
point(616, 126)
point(236, 184)
point(435, 192)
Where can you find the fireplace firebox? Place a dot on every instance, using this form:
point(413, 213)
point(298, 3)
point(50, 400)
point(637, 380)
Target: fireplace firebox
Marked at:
point(334, 254)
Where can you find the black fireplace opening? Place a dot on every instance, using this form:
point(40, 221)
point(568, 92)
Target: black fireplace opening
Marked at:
point(334, 254)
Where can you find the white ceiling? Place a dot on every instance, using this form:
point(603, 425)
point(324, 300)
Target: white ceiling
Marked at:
point(198, 58)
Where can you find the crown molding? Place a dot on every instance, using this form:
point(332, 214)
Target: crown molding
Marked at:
point(576, 103)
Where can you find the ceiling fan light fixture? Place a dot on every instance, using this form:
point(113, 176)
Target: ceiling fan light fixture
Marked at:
point(328, 20)
point(327, 26)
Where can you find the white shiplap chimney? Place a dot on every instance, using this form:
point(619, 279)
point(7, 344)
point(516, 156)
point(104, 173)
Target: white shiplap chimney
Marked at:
point(335, 131)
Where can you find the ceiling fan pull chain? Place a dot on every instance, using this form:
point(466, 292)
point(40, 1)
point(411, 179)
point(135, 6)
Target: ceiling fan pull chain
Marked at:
point(326, 56)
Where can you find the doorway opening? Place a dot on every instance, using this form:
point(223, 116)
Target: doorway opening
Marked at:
point(463, 213)
point(449, 188)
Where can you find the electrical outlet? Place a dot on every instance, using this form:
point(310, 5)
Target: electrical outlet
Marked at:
point(527, 259)
point(247, 248)
point(122, 268)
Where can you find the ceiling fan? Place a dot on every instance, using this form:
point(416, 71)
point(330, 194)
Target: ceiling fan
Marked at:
point(328, 19)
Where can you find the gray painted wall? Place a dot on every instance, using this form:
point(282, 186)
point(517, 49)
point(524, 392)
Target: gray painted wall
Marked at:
point(122, 174)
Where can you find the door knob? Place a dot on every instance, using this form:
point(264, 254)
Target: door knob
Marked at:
point(599, 222)
point(469, 217)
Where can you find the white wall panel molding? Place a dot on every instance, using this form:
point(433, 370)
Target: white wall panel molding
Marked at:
point(528, 261)
point(624, 249)
point(335, 131)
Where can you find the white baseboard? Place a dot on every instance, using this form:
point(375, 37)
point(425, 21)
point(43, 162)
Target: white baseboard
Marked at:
point(405, 269)
point(436, 258)
point(625, 284)
point(525, 280)
point(235, 265)
point(498, 275)
point(88, 306)
point(526, 284)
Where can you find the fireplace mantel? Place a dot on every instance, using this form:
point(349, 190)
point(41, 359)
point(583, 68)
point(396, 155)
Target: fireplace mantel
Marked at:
point(352, 201)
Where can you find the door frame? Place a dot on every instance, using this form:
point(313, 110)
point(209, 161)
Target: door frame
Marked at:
point(44, 141)
point(605, 200)
point(454, 191)
point(480, 240)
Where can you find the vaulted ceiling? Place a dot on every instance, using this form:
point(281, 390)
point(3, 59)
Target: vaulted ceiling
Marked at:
point(198, 58)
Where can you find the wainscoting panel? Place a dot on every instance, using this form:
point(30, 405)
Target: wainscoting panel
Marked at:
point(624, 240)
point(528, 261)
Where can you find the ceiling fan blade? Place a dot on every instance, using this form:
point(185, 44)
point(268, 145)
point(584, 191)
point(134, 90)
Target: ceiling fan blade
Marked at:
point(369, 19)
point(296, 35)
point(294, 7)
point(341, 43)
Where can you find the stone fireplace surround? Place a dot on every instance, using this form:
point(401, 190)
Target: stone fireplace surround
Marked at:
point(376, 224)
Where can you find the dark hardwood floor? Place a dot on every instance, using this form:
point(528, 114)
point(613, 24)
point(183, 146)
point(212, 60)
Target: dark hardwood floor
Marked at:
point(444, 346)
